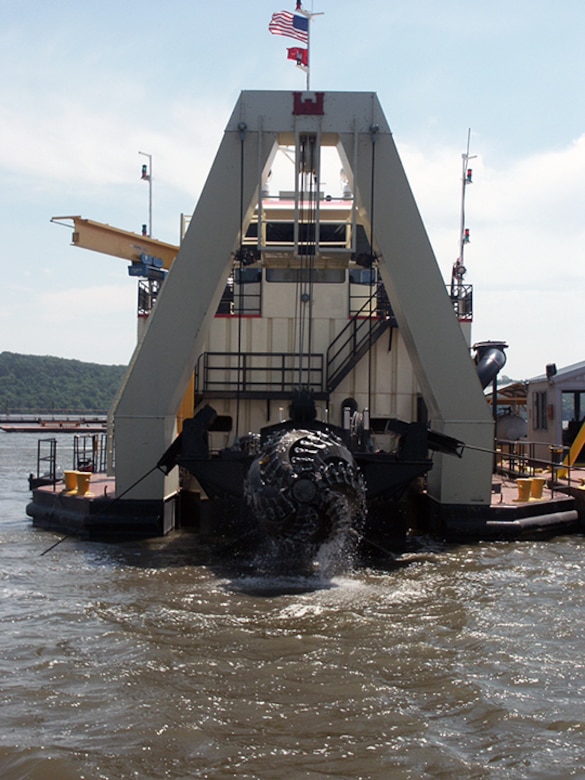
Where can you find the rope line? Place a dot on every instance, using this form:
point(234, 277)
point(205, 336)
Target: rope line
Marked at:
point(373, 272)
point(240, 299)
point(104, 509)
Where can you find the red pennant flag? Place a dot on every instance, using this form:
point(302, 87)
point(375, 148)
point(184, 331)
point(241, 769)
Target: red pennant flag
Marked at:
point(301, 56)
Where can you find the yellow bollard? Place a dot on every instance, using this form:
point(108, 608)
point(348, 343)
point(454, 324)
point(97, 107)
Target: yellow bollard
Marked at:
point(83, 478)
point(523, 486)
point(537, 488)
point(70, 481)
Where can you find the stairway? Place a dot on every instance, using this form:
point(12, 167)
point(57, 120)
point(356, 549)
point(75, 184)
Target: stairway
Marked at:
point(358, 337)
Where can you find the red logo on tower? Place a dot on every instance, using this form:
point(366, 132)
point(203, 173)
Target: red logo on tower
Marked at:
point(313, 104)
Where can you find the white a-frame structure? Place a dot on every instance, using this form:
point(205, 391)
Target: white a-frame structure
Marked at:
point(145, 415)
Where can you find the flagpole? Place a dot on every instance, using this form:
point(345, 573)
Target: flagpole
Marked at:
point(309, 15)
point(282, 24)
point(309, 53)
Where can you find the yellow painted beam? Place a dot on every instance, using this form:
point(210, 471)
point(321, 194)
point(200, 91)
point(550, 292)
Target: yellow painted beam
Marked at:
point(109, 240)
point(577, 445)
point(575, 449)
point(187, 408)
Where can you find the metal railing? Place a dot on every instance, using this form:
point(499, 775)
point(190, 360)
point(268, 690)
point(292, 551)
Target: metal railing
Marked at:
point(257, 374)
point(243, 298)
point(90, 452)
point(517, 459)
point(361, 332)
point(461, 297)
point(47, 459)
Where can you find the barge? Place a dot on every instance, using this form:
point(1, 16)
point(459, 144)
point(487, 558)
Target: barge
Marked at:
point(305, 377)
point(41, 425)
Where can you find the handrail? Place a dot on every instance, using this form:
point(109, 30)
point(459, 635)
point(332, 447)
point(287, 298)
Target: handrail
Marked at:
point(50, 459)
point(256, 372)
point(383, 310)
point(355, 336)
point(90, 452)
point(516, 458)
point(461, 298)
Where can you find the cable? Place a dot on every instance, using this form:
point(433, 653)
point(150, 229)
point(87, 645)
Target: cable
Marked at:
point(105, 508)
point(312, 238)
point(242, 129)
point(373, 135)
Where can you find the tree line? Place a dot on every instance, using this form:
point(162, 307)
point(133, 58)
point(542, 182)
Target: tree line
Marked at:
point(50, 385)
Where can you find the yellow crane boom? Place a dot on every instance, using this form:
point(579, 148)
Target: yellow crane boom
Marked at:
point(109, 240)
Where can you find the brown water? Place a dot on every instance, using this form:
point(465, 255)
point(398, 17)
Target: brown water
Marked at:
point(135, 661)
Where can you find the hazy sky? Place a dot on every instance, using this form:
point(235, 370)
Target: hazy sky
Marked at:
point(87, 85)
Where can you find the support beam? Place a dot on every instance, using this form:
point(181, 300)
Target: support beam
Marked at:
point(160, 370)
point(175, 335)
point(109, 240)
point(428, 325)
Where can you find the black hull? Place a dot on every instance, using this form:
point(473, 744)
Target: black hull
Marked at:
point(300, 489)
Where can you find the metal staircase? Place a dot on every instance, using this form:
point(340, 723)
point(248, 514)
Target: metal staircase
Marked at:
point(273, 375)
point(359, 335)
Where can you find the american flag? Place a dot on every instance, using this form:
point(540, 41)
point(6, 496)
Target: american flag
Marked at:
point(291, 25)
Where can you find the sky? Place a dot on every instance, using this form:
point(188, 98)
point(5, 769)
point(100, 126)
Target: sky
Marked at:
point(86, 85)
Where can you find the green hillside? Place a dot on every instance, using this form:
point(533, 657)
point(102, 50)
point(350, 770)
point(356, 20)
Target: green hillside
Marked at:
point(39, 384)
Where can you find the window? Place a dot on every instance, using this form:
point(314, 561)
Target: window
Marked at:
point(573, 415)
point(242, 294)
point(315, 275)
point(331, 234)
point(539, 411)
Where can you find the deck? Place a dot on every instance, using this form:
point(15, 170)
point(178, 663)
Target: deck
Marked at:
point(524, 508)
point(513, 512)
point(97, 514)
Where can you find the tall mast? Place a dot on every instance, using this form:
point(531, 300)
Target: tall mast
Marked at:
point(459, 269)
point(147, 176)
point(309, 15)
point(466, 178)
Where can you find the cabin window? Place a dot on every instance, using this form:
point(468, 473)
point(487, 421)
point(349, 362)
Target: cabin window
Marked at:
point(362, 285)
point(363, 275)
point(331, 234)
point(279, 232)
point(252, 231)
point(540, 422)
point(573, 415)
point(314, 275)
point(242, 294)
point(367, 295)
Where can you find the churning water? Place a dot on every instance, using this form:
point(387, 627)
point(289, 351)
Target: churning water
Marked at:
point(137, 661)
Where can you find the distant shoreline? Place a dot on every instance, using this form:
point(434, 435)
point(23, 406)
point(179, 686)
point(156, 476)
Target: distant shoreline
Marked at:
point(54, 424)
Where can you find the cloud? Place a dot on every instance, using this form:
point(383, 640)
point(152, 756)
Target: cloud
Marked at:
point(96, 145)
point(527, 217)
point(526, 260)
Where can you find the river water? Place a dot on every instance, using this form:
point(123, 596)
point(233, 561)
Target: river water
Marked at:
point(136, 661)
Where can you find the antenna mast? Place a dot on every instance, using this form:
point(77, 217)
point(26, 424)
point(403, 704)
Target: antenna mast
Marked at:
point(309, 15)
point(459, 269)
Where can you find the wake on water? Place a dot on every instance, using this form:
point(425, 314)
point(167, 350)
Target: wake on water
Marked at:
point(276, 570)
